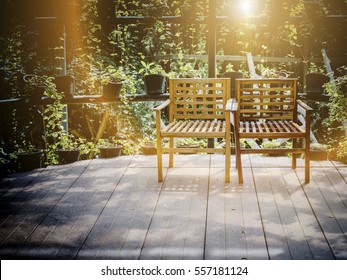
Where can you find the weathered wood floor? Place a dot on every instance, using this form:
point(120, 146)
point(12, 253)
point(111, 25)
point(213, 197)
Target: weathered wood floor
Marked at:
point(115, 209)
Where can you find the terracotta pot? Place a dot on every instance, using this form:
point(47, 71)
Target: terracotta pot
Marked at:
point(318, 155)
point(148, 149)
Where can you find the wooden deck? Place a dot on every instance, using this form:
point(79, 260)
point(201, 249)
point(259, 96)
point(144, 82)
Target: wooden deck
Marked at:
point(116, 209)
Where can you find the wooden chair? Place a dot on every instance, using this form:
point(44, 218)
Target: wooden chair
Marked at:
point(268, 109)
point(197, 109)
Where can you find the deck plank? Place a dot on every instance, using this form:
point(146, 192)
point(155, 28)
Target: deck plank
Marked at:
point(325, 202)
point(116, 209)
point(98, 183)
point(313, 233)
point(82, 203)
point(75, 210)
point(18, 188)
point(329, 183)
point(127, 214)
point(178, 226)
point(149, 191)
point(294, 234)
point(274, 232)
point(215, 243)
point(254, 229)
point(338, 179)
point(236, 246)
point(39, 200)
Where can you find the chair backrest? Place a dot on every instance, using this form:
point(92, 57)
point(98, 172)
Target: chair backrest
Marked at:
point(201, 98)
point(270, 99)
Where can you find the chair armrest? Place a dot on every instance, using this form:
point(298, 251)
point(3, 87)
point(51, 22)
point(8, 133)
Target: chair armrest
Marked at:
point(304, 105)
point(228, 105)
point(231, 105)
point(162, 105)
point(234, 105)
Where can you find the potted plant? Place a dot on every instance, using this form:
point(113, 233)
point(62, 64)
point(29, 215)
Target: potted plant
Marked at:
point(66, 85)
point(341, 151)
point(274, 144)
point(155, 80)
point(109, 148)
point(318, 151)
point(67, 149)
point(112, 80)
point(27, 157)
point(190, 143)
point(24, 146)
point(148, 146)
point(35, 86)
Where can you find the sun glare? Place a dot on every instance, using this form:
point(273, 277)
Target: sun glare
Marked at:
point(246, 6)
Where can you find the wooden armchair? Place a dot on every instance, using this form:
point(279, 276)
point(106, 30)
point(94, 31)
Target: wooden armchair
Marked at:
point(268, 109)
point(197, 109)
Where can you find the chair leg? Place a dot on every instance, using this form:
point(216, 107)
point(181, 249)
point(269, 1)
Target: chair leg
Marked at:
point(238, 159)
point(294, 145)
point(227, 159)
point(307, 159)
point(239, 167)
point(159, 159)
point(171, 153)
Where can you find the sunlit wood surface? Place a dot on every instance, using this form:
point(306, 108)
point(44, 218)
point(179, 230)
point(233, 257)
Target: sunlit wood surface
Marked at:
point(116, 209)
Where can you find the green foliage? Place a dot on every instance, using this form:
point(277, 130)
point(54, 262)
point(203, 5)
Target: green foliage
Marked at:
point(129, 147)
point(67, 142)
point(318, 147)
point(188, 142)
point(14, 55)
point(184, 68)
point(341, 151)
point(113, 142)
point(112, 74)
point(90, 28)
point(54, 134)
point(22, 148)
point(272, 144)
point(150, 68)
point(338, 101)
point(275, 72)
point(130, 51)
point(3, 156)
point(314, 68)
point(328, 119)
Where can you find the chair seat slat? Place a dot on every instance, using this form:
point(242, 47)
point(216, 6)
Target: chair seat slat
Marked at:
point(195, 127)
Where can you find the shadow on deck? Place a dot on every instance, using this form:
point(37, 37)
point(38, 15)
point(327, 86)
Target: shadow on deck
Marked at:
point(116, 209)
